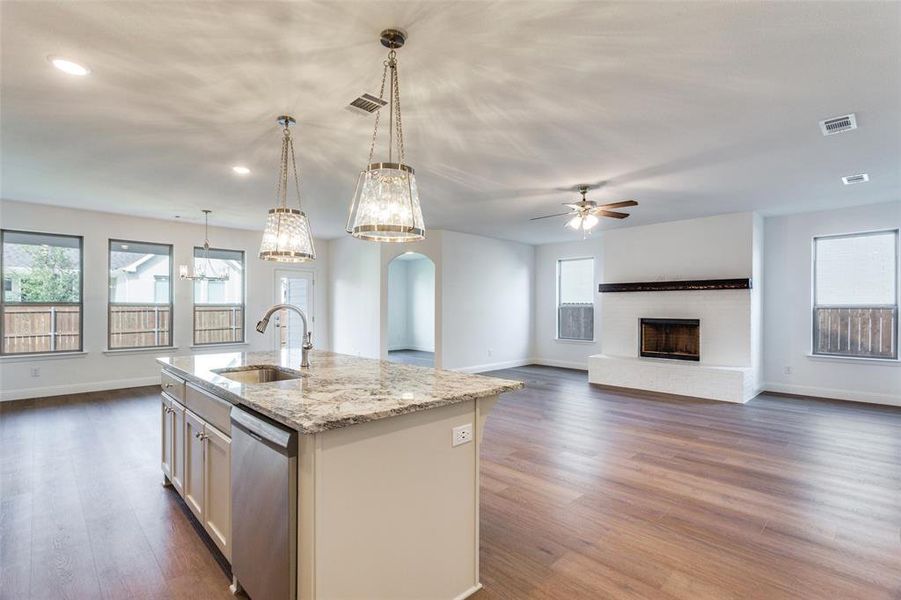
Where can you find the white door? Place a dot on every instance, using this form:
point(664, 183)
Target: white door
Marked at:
point(293, 287)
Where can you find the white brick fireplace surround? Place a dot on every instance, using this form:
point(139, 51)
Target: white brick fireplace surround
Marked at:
point(721, 247)
point(724, 371)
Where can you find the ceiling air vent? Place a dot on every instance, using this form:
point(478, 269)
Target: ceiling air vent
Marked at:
point(852, 179)
point(838, 124)
point(366, 104)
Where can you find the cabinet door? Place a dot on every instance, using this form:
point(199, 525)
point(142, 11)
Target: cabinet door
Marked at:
point(193, 482)
point(177, 474)
point(217, 476)
point(166, 437)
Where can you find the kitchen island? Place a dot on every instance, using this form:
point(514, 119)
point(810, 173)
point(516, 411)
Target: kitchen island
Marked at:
point(387, 465)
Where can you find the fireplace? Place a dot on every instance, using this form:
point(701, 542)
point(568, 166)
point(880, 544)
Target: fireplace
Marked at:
point(678, 339)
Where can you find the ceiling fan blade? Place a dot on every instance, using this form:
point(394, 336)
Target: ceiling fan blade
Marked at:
point(572, 206)
point(622, 204)
point(610, 213)
point(549, 216)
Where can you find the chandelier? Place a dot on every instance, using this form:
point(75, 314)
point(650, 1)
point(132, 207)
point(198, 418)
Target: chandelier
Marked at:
point(385, 205)
point(287, 237)
point(203, 271)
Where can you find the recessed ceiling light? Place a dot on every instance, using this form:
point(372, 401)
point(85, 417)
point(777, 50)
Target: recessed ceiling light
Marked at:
point(241, 170)
point(67, 66)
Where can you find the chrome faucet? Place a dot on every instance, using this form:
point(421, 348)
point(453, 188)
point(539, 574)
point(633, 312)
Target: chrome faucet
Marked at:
point(307, 334)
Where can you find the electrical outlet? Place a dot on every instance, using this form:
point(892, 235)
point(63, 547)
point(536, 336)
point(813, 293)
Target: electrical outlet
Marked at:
point(35, 371)
point(788, 370)
point(462, 435)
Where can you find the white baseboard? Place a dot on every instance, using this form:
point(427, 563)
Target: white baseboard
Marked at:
point(495, 366)
point(410, 347)
point(834, 394)
point(78, 388)
point(565, 364)
point(469, 592)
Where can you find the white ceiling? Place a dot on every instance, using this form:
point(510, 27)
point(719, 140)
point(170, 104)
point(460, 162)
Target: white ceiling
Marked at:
point(690, 108)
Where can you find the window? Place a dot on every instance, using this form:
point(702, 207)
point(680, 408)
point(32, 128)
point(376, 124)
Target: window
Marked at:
point(140, 295)
point(855, 306)
point(575, 299)
point(41, 304)
point(219, 305)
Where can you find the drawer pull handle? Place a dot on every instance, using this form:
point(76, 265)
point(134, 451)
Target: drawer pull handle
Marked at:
point(168, 385)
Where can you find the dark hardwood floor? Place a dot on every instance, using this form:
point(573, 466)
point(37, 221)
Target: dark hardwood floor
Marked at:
point(585, 494)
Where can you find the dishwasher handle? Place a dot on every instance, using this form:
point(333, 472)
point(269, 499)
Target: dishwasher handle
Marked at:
point(265, 430)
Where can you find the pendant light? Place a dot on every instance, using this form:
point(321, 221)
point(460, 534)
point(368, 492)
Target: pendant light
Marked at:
point(385, 205)
point(205, 270)
point(287, 237)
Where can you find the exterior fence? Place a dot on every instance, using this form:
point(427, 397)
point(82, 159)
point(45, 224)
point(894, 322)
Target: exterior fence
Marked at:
point(575, 321)
point(862, 331)
point(139, 325)
point(41, 328)
point(218, 323)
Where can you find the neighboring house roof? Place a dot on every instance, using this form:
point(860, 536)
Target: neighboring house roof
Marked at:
point(17, 256)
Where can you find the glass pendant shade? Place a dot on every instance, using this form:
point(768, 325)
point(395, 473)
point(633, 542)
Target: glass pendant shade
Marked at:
point(386, 205)
point(287, 237)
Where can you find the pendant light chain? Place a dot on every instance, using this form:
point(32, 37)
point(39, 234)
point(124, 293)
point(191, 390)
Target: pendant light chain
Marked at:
point(396, 106)
point(296, 175)
point(378, 114)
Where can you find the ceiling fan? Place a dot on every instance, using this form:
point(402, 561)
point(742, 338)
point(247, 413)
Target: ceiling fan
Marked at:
point(585, 212)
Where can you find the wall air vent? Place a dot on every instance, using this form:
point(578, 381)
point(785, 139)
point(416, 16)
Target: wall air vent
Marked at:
point(838, 124)
point(852, 179)
point(366, 104)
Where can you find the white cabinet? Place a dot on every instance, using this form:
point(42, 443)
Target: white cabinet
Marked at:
point(196, 455)
point(207, 479)
point(177, 473)
point(194, 468)
point(217, 476)
point(173, 442)
point(168, 436)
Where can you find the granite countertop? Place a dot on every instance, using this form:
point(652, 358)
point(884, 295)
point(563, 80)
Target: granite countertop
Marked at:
point(337, 390)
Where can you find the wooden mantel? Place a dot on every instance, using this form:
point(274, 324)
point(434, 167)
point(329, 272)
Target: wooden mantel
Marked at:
point(676, 286)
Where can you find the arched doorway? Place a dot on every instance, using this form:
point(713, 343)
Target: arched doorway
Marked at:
point(411, 309)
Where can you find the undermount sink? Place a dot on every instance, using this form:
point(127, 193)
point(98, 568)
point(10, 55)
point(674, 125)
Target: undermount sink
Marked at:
point(264, 374)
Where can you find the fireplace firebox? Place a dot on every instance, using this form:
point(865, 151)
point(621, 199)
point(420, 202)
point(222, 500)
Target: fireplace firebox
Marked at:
point(678, 339)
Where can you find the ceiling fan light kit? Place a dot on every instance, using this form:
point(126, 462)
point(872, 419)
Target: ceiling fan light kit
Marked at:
point(287, 236)
point(385, 205)
point(585, 213)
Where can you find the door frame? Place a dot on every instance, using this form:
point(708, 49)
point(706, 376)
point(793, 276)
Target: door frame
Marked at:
point(276, 299)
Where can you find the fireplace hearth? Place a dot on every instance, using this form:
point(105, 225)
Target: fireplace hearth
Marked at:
point(678, 339)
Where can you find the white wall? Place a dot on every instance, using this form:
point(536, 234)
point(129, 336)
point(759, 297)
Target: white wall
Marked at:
point(482, 306)
point(356, 303)
point(488, 302)
point(421, 304)
point(398, 310)
point(710, 248)
point(548, 349)
point(96, 370)
point(787, 310)
point(411, 304)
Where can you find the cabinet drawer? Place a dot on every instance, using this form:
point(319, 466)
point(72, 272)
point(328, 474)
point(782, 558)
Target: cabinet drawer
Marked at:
point(172, 385)
point(211, 409)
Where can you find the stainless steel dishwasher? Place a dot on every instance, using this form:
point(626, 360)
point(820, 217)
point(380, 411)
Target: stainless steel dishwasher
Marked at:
point(264, 506)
